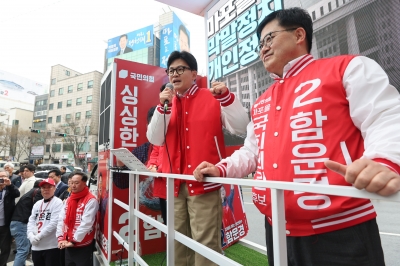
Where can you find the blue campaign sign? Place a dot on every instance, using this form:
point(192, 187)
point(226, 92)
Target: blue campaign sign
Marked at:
point(131, 41)
point(232, 37)
point(166, 44)
point(174, 37)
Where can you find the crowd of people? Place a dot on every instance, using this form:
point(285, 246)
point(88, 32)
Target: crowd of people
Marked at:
point(51, 218)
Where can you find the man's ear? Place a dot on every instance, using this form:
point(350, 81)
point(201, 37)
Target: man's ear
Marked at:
point(300, 35)
point(194, 75)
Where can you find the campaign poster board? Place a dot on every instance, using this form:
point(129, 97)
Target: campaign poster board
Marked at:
point(173, 37)
point(135, 40)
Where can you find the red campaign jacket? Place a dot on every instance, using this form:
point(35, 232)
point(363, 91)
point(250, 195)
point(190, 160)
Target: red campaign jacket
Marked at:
point(200, 115)
point(88, 239)
point(301, 121)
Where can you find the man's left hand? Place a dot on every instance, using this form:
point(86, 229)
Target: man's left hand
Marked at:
point(68, 245)
point(369, 175)
point(7, 181)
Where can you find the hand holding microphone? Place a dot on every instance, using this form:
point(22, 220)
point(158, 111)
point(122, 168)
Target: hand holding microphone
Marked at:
point(166, 95)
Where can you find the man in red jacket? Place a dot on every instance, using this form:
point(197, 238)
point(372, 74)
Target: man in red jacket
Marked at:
point(77, 223)
point(194, 120)
point(331, 121)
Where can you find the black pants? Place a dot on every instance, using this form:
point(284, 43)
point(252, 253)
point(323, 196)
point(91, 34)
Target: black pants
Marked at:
point(47, 257)
point(357, 245)
point(5, 244)
point(163, 206)
point(79, 256)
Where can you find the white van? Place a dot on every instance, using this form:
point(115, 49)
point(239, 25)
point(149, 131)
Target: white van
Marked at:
point(16, 165)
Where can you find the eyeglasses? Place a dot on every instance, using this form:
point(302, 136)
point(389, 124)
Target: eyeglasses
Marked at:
point(267, 40)
point(179, 70)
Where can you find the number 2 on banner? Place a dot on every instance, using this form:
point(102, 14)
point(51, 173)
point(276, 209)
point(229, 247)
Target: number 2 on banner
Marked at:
point(39, 225)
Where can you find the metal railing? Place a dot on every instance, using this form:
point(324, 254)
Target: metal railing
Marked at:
point(277, 205)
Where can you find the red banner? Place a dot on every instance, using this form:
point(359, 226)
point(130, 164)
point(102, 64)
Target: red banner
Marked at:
point(234, 221)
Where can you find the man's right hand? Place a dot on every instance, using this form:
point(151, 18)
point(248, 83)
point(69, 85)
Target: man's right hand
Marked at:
point(166, 94)
point(205, 168)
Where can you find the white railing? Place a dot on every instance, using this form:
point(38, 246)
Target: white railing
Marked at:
point(278, 214)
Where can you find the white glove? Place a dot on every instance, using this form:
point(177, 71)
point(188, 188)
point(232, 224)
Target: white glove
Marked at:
point(32, 239)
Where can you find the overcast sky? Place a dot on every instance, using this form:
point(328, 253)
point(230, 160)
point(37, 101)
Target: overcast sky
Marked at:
point(37, 34)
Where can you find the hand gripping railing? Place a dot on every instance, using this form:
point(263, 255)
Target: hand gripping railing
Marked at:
point(277, 205)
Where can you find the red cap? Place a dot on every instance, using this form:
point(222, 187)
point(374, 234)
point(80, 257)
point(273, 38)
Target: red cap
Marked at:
point(49, 181)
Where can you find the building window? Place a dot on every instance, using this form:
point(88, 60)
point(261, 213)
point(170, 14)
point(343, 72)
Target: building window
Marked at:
point(49, 120)
point(58, 119)
point(78, 101)
point(52, 93)
point(70, 89)
point(51, 106)
point(67, 117)
point(77, 131)
point(60, 91)
point(337, 3)
point(80, 87)
point(313, 16)
point(329, 7)
point(78, 116)
point(68, 147)
point(53, 81)
point(67, 73)
point(89, 99)
point(59, 105)
point(56, 147)
point(322, 10)
point(47, 147)
point(88, 114)
point(96, 146)
point(69, 103)
point(90, 84)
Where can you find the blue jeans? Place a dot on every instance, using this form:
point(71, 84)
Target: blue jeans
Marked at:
point(18, 231)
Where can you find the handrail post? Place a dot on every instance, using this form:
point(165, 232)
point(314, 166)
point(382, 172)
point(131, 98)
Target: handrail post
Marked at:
point(170, 222)
point(279, 226)
point(136, 205)
point(131, 222)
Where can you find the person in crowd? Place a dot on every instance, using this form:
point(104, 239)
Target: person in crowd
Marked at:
point(15, 178)
point(42, 226)
point(19, 221)
point(65, 195)
point(77, 223)
point(294, 137)
point(29, 180)
point(8, 194)
point(55, 174)
point(64, 174)
point(194, 121)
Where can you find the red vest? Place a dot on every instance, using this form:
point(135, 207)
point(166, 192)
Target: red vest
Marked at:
point(301, 121)
point(87, 240)
point(194, 123)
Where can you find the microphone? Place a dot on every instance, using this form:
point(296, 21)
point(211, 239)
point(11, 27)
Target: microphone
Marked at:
point(171, 87)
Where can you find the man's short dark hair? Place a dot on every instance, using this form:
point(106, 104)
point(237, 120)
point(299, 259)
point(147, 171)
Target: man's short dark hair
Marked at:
point(290, 18)
point(83, 175)
point(185, 56)
point(123, 35)
point(57, 172)
point(184, 30)
point(37, 182)
point(150, 114)
point(30, 167)
point(63, 168)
